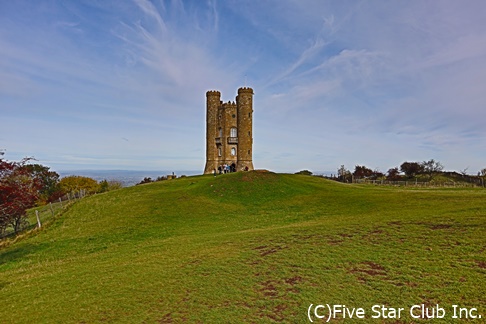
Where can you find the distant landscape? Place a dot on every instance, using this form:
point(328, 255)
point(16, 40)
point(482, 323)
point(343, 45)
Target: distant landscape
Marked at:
point(126, 177)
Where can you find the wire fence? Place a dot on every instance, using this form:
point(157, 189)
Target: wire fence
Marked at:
point(451, 184)
point(37, 216)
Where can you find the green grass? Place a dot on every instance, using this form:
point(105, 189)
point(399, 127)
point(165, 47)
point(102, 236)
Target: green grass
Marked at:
point(248, 247)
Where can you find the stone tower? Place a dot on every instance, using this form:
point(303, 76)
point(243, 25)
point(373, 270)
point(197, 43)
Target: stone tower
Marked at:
point(229, 131)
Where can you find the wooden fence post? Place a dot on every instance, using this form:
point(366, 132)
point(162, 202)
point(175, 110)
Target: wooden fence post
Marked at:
point(38, 219)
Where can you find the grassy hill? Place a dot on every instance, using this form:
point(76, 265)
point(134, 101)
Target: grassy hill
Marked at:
point(248, 247)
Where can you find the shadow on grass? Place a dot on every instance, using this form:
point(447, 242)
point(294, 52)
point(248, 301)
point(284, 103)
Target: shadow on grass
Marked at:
point(17, 253)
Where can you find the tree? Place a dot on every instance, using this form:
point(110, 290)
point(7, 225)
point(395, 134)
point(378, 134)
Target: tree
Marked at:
point(48, 180)
point(344, 175)
point(304, 172)
point(145, 180)
point(360, 171)
point(19, 191)
point(411, 169)
point(76, 183)
point(106, 185)
point(393, 174)
point(431, 167)
point(377, 175)
point(482, 174)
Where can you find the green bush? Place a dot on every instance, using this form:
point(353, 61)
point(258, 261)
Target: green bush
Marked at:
point(304, 172)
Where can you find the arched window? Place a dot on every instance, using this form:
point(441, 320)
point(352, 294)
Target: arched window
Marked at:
point(220, 132)
point(219, 151)
point(233, 151)
point(233, 132)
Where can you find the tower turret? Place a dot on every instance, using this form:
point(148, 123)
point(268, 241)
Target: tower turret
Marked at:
point(244, 103)
point(213, 103)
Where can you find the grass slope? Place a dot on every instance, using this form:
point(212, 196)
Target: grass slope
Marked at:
point(248, 247)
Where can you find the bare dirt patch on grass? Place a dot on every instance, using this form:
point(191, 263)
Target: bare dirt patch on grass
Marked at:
point(481, 264)
point(364, 270)
point(265, 250)
point(440, 226)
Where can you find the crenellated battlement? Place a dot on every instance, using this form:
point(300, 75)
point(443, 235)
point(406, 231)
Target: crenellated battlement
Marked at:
point(245, 90)
point(213, 93)
point(229, 104)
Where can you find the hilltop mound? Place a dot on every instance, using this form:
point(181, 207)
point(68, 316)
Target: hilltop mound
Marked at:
point(249, 247)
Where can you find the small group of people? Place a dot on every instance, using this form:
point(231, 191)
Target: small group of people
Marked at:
point(226, 168)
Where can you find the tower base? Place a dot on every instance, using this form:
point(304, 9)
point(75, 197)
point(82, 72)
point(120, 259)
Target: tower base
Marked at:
point(244, 166)
point(211, 165)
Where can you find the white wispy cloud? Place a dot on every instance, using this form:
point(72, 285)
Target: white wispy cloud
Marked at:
point(149, 9)
point(306, 55)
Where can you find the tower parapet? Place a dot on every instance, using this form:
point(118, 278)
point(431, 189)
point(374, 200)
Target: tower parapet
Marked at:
point(245, 89)
point(213, 93)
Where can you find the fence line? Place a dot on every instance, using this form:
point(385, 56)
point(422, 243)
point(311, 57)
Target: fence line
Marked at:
point(417, 183)
point(37, 216)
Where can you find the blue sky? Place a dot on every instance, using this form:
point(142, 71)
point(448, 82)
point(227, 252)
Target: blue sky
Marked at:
point(121, 84)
